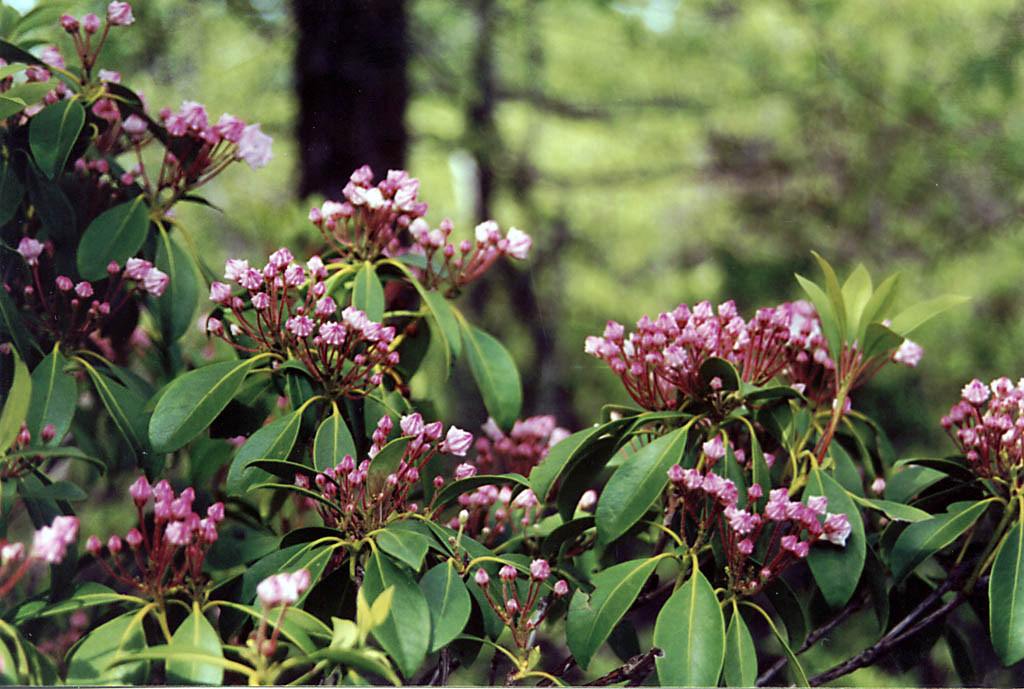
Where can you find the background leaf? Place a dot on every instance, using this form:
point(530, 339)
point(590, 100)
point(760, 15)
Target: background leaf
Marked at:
point(448, 601)
point(174, 308)
point(495, 374)
point(368, 293)
point(16, 405)
point(116, 234)
point(405, 633)
point(54, 395)
point(1006, 597)
point(52, 133)
point(91, 658)
point(273, 441)
point(922, 539)
point(690, 629)
point(195, 633)
point(836, 570)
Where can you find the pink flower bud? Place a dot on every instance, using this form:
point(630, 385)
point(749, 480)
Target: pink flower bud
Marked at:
point(561, 588)
point(140, 491)
point(481, 577)
point(507, 573)
point(754, 492)
point(113, 268)
point(84, 290)
point(465, 470)
point(511, 606)
point(540, 569)
point(47, 433)
point(114, 544)
point(120, 14)
point(93, 545)
point(69, 23)
point(878, 486)
point(91, 23)
point(220, 293)
point(133, 538)
point(676, 474)
point(457, 442)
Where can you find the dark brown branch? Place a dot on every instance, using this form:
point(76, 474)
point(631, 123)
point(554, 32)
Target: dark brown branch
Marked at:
point(567, 665)
point(813, 638)
point(634, 672)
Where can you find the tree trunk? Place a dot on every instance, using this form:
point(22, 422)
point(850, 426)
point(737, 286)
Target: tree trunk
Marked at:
point(351, 83)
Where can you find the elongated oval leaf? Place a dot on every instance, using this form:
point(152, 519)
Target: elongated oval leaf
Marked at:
point(332, 442)
point(11, 191)
point(740, 653)
point(449, 604)
point(195, 633)
point(52, 133)
point(495, 374)
point(896, 511)
point(922, 539)
point(690, 630)
point(407, 546)
point(856, 292)
point(368, 293)
point(544, 475)
point(54, 395)
point(174, 308)
point(405, 632)
point(592, 617)
point(636, 484)
point(16, 405)
point(1006, 597)
point(907, 321)
point(12, 327)
point(125, 408)
point(52, 205)
point(273, 441)
point(466, 485)
point(91, 659)
point(836, 569)
point(447, 326)
point(115, 235)
point(829, 323)
point(189, 403)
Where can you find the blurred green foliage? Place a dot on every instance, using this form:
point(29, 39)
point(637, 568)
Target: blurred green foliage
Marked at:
point(668, 151)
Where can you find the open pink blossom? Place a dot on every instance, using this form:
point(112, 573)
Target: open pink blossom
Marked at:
point(254, 147)
point(30, 250)
point(120, 14)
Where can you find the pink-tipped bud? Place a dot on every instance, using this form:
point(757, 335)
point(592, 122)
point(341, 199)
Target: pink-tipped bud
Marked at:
point(511, 606)
point(133, 538)
point(48, 433)
point(676, 473)
point(113, 268)
point(878, 486)
point(754, 492)
point(140, 491)
point(91, 23)
point(438, 482)
point(540, 570)
point(114, 544)
point(69, 23)
point(216, 512)
point(507, 573)
point(93, 545)
point(561, 588)
point(481, 577)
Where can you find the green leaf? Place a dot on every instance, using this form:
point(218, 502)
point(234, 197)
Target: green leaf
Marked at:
point(789, 609)
point(829, 323)
point(740, 653)
point(564, 454)
point(386, 462)
point(124, 406)
point(363, 659)
point(92, 657)
point(835, 294)
point(716, 367)
point(1006, 597)
point(115, 235)
point(797, 670)
point(174, 308)
point(402, 544)
point(836, 569)
point(405, 632)
point(592, 617)
point(896, 511)
point(856, 293)
point(880, 339)
point(195, 634)
point(921, 540)
point(495, 374)
point(87, 595)
point(54, 395)
point(12, 53)
point(879, 303)
point(190, 403)
point(636, 484)
point(273, 441)
point(58, 490)
point(332, 442)
point(456, 488)
point(907, 321)
point(52, 205)
point(52, 133)
point(11, 191)
point(448, 601)
point(447, 329)
point(690, 629)
point(16, 405)
point(368, 293)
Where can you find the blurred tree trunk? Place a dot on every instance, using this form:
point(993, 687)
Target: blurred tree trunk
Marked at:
point(350, 77)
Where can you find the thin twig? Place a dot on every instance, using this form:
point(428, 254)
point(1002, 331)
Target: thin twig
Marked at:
point(634, 672)
point(567, 665)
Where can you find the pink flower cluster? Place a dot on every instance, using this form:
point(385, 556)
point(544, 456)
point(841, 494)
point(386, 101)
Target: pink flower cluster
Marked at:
point(519, 613)
point(75, 312)
point(169, 549)
point(987, 425)
point(367, 223)
point(711, 502)
point(12, 467)
point(660, 363)
point(492, 511)
point(525, 446)
point(82, 30)
point(284, 308)
point(282, 589)
point(353, 502)
point(49, 545)
point(474, 257)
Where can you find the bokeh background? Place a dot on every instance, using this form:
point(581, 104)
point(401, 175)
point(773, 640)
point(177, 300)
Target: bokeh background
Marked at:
point(658, 151)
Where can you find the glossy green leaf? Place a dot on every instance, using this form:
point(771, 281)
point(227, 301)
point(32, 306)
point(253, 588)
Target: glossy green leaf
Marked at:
point(836, 569)
point(195, 633)
point(690, 630)
point(447, 329)
point(386, 462)
point(466, 485)
point(408, 546)
point(716, 367)
point(879, 339)
point(11, 190)
point(16, 405)
point(58, 490)
point(740, 653)
point(904, 485)
point(593, 616)
point(907, 321)
point(795, 668)
point(448, 601)
point(190, 403)
point(273, 441)
point(829, 323)
point(100, 648)
point(54, 395)
point(12, 53)
point(789, 609)
point(544, 475)
point(856, 292)
point(332, 442)
point(569, 531)
point(174, 308)
point(116, 234)
point(895, 511)
point(405, 632)
point(835, 294)
point(495, 374)
point(1006, 597)
point(922, 539)
point(52, 205)
point(125, 408)
point(879, 304)
point(363, 659)
point(636, 484)
point(368, 293)
point(52, 133)
point(86, 595)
